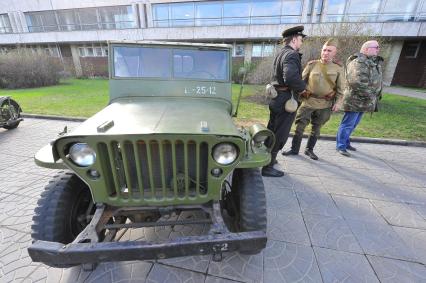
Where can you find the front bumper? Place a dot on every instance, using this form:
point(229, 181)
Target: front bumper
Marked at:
point(80, 253)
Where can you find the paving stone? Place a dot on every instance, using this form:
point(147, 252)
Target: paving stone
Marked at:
point(194, 263)
point(15, 263)
point(338, 266)
point(282, 201)
point(398, 214)
point(161, 273)
point(392, 270)
point(286, 262)
point(16, 213)
point(317, 203)
point(11, 182)
point(285, 182)
point(331, 232)
point(420, 209)
point(358, 209)
point(380, 239)
point(415, 239)
point(213, 279)
point(288, 227)
point(9, 160)
point(236, 266)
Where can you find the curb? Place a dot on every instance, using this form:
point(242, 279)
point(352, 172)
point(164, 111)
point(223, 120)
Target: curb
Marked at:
point(323, 137)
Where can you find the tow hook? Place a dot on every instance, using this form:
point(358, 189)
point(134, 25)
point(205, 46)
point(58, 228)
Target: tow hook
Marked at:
point(218, 249)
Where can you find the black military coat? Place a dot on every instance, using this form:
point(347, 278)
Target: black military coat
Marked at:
point(288, 69)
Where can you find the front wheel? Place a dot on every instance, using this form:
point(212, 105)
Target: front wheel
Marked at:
point(64, 209)
point(246, 202)
point(10, 111)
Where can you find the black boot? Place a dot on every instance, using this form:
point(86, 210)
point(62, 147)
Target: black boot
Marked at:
point(295, 146)
point(309, 151)
point(269, 170)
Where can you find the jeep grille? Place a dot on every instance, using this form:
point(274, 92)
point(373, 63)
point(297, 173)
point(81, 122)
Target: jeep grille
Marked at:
point(155, 169)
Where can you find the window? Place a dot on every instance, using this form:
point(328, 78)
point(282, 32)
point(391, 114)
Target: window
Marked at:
point(67, 20)
point(5, 26)
point(239, 50)
point(42, 21)
point(412, 49)
point(117, 17)
point(93, 50)
point(335, 10)
point(236, 12)
point(208, 14)
point(263, 49)
point(257, 50)
point(161, 15)
point(265, 12)
point(398, 10)
point(182, 14)
point(268, 50)
point(88, 18)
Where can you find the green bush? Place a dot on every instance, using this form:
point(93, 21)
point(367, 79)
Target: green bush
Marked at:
point(22, 68)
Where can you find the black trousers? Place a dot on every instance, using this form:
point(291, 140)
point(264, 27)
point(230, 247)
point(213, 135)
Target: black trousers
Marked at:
point(280, 121)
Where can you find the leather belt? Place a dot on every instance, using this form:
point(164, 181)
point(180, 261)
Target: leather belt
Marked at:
point(282, 88)
point(320, 97)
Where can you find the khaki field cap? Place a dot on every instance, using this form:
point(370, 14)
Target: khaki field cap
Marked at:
point(298, 30)
point(332, 42)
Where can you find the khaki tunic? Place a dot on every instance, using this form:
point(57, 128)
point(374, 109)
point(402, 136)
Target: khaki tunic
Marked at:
point(318, 85)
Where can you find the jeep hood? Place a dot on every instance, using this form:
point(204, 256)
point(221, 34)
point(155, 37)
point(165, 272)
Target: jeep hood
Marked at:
point(161, 115)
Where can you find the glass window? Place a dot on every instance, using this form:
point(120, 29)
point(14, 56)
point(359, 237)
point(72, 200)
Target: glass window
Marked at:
point(88, 18)
point(42, 21)
point(400, 7)
point(239, 50)
point(161, 11)
point(257, 50)
point(5, 26)
point(67, 20)
point(89, 52)
point(208, 14)
point(368, 6)
point(290, 7)
point(336, 7)
point(98, 51)
point(182, 14)
point(139, 62)
point(265, 8)
point(236, 12)
point(200, 64)
point(81, 52)
point(119, 17)
point(412, 49)
point(268, 50)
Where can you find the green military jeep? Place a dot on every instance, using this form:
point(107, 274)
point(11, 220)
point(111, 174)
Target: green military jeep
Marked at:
point(165, 144)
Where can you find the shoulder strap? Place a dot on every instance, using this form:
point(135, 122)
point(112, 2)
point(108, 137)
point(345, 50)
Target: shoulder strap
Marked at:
point(327, 78)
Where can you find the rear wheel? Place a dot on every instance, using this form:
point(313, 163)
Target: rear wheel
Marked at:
point(64, 209)
point(245, 203)
point(11, 112)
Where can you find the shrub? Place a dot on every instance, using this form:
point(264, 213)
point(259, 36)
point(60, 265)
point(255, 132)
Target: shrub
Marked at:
point(22, 68)
point(236, 66)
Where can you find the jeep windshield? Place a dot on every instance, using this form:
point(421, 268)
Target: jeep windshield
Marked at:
point(171, 63)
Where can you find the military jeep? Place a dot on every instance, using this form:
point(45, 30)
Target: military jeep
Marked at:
point(165, 144)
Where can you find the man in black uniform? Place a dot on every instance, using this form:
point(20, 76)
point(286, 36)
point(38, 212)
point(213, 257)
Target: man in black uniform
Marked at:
point(288, 79)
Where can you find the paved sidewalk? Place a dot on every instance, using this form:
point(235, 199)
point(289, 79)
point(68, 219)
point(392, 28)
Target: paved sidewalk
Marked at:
point(359, 219)
point(404, 91)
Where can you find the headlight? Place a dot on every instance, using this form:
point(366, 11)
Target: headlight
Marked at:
point(225, 153)
point(259, 133)
point(82, 154)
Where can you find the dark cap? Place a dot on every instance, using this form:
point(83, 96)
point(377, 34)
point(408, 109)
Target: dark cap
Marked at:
point(293, 31)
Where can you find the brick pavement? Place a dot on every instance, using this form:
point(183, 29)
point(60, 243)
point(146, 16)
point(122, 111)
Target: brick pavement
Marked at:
point(359, 219)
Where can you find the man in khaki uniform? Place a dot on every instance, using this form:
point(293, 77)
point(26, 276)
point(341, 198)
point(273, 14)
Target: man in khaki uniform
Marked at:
point(325, 80)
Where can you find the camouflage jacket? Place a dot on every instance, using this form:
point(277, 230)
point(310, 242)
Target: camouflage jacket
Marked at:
point(364, 83)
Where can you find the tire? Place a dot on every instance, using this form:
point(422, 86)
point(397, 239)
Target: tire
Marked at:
point(65, 200)
point(16, 110)
point(248, 195)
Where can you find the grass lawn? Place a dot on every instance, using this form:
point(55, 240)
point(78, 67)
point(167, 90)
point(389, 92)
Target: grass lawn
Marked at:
point(399, 117)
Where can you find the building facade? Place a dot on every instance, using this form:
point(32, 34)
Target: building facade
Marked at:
point(77, 31)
